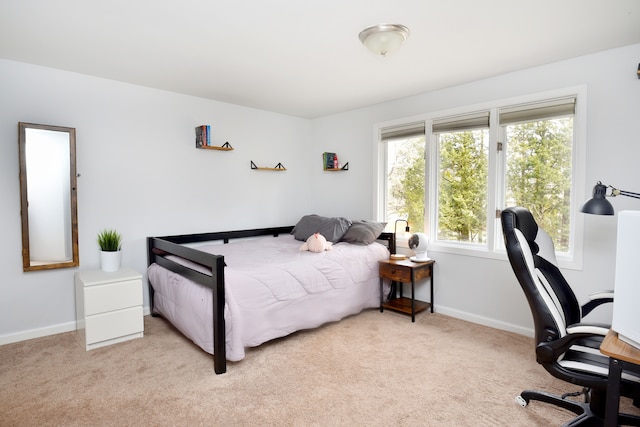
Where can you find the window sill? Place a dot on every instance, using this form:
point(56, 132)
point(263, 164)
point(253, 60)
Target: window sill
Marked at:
point(564, 261)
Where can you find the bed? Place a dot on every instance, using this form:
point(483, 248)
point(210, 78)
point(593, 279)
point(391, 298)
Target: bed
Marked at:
point(228, 291)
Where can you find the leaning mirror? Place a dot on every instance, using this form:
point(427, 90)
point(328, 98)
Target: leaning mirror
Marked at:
point(48, 197)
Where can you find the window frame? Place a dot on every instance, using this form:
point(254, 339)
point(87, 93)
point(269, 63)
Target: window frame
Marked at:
point(496, 175)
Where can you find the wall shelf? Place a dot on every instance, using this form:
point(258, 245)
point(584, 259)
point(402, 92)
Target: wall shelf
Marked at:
point(330, 163)
point(343, 168)
point(279, 167)
point(224, 147)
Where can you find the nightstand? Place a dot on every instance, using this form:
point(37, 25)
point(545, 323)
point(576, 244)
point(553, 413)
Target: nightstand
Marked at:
point(109, 306)
point(405, 271)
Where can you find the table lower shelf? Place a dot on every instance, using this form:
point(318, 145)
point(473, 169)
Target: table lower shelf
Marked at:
point(403, 305)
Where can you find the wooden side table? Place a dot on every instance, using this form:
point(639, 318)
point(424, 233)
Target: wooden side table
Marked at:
point(622, 357)
point(405, 271)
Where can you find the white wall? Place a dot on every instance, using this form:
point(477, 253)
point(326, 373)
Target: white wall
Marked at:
point(135, 145)
point(485, 290)
point(141, 174)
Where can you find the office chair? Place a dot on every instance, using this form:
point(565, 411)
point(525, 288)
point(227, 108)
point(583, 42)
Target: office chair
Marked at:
point(566, 347)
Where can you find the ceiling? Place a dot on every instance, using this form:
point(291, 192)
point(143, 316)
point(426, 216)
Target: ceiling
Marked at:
point(303, 57)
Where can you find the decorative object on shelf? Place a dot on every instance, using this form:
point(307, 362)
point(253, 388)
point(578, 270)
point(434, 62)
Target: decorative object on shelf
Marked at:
point(278, 167)
point(203, 139)
point(418, 243)
point(203, 136)
point(224, 147)
point(383, 39)
point(110, 243)
point(330, 162)
point(599, 205)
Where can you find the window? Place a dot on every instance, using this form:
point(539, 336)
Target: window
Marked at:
point(404, 175)
point(480, 159)
point(538, 153)
point(462, 174)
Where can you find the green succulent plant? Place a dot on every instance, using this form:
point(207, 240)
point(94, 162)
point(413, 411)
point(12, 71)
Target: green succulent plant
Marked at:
point(109, 240)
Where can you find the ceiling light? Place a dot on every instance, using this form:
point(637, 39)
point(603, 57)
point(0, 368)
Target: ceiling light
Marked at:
point(383, 39)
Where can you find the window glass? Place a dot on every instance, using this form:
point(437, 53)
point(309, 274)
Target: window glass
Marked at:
point(526, 151)
point(462, 186)
point(404, 198)
point(538, 174)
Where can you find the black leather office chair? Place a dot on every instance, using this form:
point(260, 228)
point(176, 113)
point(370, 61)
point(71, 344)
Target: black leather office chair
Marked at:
point(566, 347)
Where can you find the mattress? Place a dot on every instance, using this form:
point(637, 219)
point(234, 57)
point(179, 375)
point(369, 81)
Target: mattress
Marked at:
point(272, 289)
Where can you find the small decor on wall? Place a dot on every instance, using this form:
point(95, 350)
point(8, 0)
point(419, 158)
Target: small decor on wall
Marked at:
point(203, 136)
point(330, 162)
point(278, 167)
point(203, 139)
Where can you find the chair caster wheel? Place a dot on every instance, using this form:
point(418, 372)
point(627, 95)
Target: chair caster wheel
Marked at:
point(521, 401)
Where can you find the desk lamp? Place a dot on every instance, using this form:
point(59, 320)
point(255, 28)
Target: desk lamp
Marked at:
point(394, 255)
point(599, 205)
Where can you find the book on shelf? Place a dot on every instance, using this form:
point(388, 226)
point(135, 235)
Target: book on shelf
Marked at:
point(327, 160)
point(203, 136)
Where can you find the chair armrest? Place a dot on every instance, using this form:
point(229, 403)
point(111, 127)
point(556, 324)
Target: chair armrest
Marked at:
point(597, 329)
point(601, 294)
point(547, 352)
point(595, 300)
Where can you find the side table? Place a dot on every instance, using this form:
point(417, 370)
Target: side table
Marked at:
point(405, 271)
point(109, 306)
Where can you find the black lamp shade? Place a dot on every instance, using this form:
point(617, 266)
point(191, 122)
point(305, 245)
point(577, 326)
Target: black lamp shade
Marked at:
point(598, 205)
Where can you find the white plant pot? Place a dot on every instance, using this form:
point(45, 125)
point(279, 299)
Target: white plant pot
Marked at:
point(110, 261)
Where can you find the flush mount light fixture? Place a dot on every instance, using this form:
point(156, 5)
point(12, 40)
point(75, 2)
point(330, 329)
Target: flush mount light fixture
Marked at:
point(383, 39)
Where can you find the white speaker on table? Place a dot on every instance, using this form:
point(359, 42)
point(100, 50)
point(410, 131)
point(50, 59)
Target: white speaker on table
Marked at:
point(418, 243)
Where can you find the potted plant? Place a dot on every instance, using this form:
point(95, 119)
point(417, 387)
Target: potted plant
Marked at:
point(110, 243)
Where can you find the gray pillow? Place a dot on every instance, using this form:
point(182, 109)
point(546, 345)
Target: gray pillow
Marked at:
point(331, 228)
point(363, 232)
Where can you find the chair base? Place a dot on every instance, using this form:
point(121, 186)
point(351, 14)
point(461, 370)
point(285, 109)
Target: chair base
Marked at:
point(588, 415)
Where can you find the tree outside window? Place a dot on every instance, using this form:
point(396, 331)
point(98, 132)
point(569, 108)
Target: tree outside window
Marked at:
point(480, 161)
point(462, 186)
point(538, 173)
point(405, 181)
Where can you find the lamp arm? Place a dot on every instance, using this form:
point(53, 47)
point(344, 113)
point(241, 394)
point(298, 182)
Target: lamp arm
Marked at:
point(395, 233)
point(615, 192)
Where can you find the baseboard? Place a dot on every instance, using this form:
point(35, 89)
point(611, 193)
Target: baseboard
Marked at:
point(46, 331)
point(37, 333)
point(71, 326)
point(481, 320)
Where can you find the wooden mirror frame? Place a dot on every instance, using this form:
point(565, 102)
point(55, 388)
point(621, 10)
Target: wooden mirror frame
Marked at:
point(27, 263)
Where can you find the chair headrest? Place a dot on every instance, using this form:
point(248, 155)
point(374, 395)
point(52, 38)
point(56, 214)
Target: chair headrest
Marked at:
point(520, 218)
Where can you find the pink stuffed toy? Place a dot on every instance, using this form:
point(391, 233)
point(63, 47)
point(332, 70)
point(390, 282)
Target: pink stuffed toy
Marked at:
point(316, 243)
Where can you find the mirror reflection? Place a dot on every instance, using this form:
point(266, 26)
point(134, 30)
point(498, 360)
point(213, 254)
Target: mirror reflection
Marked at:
point(48, 197)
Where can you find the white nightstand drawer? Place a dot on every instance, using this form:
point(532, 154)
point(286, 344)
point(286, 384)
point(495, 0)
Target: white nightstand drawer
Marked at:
point(112, 296)
point(102, 327)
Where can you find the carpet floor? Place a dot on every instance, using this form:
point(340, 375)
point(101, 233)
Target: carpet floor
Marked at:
point(370, 369)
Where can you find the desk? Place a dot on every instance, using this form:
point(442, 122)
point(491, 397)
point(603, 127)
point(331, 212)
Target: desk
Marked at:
point(622, 356)
point(406, 271)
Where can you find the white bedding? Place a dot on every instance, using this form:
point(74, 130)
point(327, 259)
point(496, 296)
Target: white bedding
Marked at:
point(272, 289)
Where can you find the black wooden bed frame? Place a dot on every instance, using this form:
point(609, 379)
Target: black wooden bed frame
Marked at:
point(159, 247)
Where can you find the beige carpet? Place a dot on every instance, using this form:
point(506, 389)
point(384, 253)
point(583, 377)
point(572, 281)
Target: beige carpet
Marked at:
point(370, 369)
